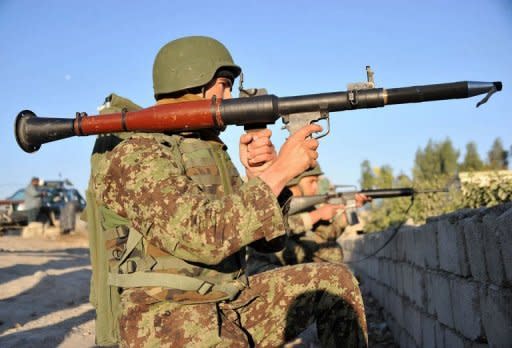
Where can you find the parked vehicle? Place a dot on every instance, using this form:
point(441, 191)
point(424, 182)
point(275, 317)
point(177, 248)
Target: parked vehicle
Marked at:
point(60, 201)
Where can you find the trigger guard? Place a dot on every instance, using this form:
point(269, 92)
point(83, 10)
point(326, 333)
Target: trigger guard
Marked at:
point(327, 131)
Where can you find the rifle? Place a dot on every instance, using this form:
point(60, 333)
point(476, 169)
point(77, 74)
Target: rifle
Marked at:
point(347, 198)
point(253, 112)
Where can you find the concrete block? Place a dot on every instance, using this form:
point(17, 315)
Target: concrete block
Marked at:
point(473, 235)
point(440, 343)
point(426, 243)
point(492, 249)
point(419, 294)
point(442, 298)
point(428, 331)
point(386, 251)
point(381, 294)
point(408, 243)
point(412, 322)
point(374, 268)
point(452, 339)
point(466, 308)
point(452, 248)
point(358, 246)
point(496, 308)
point(370, 244)
point(392, 247)
point(402, 247)
point(406, 340)
point(400, 278)
point(392, 276)
point(393, 325)
point(407, 278)
point(361, 268)
point(397, 308)
point(430, 293)
point(504, 233)
point(398, 245)
point(417, 257)
point(384, 271)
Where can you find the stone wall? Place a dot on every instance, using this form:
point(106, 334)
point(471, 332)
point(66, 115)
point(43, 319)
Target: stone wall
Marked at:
point(447, 283)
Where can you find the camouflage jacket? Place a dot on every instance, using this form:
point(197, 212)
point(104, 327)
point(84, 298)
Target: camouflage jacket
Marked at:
point(184, 195)
point(301, 224)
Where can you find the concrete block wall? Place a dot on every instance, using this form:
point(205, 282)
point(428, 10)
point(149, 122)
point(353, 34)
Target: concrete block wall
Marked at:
point(447, 283)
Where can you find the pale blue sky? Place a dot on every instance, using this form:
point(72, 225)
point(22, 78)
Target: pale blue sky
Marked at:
point(60, 57)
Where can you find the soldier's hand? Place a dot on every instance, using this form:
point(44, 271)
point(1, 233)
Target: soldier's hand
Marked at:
point(257, 152)
point(361, 199)
point(326, 212)
point(297, 154)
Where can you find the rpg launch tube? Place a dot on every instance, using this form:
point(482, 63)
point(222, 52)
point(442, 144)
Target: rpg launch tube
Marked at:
point(32, 131)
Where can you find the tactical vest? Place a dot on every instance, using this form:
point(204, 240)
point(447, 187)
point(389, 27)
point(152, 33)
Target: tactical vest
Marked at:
point(135, 263)
point(122, 256)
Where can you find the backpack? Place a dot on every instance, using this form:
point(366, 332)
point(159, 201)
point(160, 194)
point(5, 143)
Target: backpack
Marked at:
point(103, 297)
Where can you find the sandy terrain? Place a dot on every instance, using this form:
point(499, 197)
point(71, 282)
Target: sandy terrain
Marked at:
point(44, 289)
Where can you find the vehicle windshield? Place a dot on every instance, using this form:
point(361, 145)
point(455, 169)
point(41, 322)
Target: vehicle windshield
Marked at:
point(18, 196)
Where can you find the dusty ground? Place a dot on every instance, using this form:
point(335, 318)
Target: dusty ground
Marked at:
point(44, 287)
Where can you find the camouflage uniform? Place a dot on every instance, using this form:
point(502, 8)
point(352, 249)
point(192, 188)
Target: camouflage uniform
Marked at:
point(313, 243)
point(184, 219)
point(306, 242)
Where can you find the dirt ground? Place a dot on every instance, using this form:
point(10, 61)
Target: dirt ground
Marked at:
point(44, 287)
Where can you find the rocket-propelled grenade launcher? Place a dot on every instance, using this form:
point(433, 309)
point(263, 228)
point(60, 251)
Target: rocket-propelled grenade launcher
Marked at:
point(296, 112)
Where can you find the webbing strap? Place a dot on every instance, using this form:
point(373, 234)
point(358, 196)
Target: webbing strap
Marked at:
point(207, 179)
point(171, 281)
point(134, 237)
point(188, 145)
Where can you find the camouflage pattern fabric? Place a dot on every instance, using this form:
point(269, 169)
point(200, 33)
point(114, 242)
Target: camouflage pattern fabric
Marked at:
point(184, 196)
point(277, 306)
point(305, 243)
point(313, 243)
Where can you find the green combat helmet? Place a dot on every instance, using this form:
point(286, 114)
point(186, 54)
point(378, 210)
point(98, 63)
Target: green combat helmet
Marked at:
point(189, 62)
point(315, 171)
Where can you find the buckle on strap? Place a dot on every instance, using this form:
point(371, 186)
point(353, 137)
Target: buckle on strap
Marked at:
point(205, 288)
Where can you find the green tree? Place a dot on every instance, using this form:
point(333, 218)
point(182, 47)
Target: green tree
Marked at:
point(367, 176)
point(497, 157)
point(384, 176)
point(448, 158)
point(472, 161)
point(436, 159)
point(425, 161)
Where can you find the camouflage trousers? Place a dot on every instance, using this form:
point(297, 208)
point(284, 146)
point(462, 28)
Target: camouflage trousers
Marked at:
point(276, 308)
point(298, 249)
point(311, 248)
